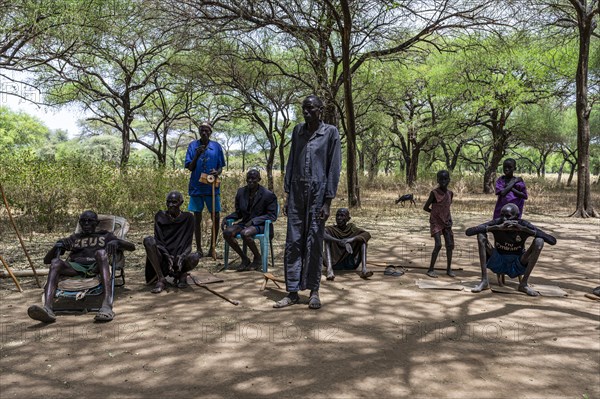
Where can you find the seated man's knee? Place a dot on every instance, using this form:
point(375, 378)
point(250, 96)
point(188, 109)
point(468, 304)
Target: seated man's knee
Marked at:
point(482, 239)
point(101, 255)
point(56, 264)
point(538, 243)
point(228, 233)
point(248, 234)
point(149, 241)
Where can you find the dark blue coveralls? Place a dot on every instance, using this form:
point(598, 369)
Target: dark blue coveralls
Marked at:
point(311, 175)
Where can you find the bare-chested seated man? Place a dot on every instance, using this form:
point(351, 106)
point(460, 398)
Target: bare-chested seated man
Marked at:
point(254, 205)
point(345, 246)
point(169, 251)
point(88, 257)
point(508, 256)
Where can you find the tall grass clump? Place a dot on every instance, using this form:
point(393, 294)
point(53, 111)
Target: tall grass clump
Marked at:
point(47, 194)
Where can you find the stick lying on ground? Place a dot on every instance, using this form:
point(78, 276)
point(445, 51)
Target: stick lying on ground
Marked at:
point(407, 267)
point(234, 302)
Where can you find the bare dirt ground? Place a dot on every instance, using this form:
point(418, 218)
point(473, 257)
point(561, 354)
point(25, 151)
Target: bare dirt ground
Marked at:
point(383, 338)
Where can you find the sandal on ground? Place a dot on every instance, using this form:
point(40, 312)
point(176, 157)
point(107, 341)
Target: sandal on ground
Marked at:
point(592, 297)
point(159, 287)
point(431, 273)
point(245, 266)
point(314, 302)
point(40, 313)
point(104, 314)
point(182, 284)
point(365, 275)
point(285, 302)
point(392, 271)
point(255, 265)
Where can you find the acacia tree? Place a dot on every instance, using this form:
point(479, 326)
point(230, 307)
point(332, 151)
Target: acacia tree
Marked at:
point(580, 16)
point(492, 79)
point(165, 112)
point(263, 95)
point(542, 132)
point(112, 67)
point(336, 39)
point(24, 28)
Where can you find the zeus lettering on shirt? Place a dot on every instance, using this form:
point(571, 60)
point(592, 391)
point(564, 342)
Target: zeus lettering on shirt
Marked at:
point(84, 246)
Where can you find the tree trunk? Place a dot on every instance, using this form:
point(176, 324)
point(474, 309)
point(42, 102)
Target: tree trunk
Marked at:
point(584, 198)
point(560, 171)
point(281, 157)
point(412, 167)
point(126, 149)
point(270, 161)
point(571, 173)
point(500, 138)
point(351, 171)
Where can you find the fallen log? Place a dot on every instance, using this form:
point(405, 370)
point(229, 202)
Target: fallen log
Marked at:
point(24, 273)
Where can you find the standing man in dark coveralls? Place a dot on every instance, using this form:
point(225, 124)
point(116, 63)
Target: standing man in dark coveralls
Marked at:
point(311, 179)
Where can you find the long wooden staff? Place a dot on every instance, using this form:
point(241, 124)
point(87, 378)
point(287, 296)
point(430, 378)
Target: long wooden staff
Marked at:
point(11, 274)
point(214, 233)
point(19, 235)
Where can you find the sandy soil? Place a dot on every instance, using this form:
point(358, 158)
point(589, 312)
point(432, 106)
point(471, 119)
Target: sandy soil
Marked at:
point(382, 338)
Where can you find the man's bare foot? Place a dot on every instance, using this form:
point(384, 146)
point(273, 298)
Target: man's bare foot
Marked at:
point(159, 287)
point(365, 275)
point(450, 273)
point(528, 290)
point(331, 277)
point(501, 279)
point(431, 273)
point(483, 285)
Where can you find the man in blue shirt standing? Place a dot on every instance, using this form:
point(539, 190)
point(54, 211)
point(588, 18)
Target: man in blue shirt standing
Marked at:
point(206, 157)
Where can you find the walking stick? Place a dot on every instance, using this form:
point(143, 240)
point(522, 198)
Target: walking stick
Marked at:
point(232, 301)
point(11, 274)
point(19, 235)
point(214, 233)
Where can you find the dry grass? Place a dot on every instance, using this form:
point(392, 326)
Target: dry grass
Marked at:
point(377, 212)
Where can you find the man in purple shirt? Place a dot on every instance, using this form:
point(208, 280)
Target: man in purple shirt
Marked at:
point(204, 156)
point(510, 189)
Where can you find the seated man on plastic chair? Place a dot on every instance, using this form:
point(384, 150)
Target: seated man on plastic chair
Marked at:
point(89, 251)
point(169, 251)
point(345, 246)
point(254, 204)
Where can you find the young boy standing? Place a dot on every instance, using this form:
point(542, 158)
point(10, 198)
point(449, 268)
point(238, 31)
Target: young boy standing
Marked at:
point(440, 221)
